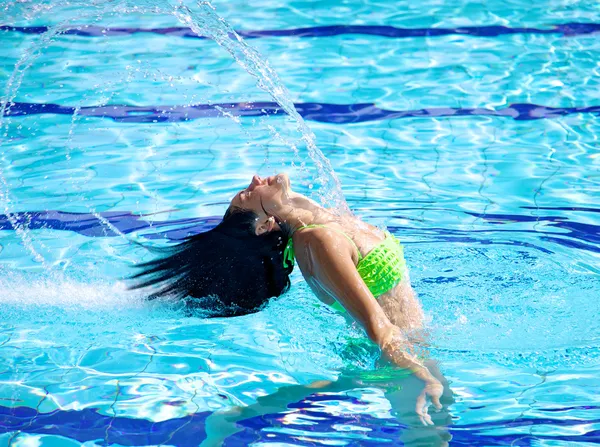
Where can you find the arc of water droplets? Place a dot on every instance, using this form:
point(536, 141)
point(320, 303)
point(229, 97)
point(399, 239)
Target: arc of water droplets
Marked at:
point(69, 148)
point(207, 23)
point(12, 87)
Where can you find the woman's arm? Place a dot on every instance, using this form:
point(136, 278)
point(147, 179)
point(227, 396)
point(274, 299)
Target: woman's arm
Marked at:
point(330, 265)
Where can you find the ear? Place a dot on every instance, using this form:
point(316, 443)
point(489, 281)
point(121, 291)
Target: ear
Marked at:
point(266, 226)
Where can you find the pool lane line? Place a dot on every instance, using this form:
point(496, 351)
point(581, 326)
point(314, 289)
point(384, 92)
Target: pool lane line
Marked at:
point(581, 236)
point(89, 424)
point(126, 222)
point(564, 29)
point(313, 111)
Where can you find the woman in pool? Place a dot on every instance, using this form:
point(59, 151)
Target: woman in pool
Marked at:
point(352, 266)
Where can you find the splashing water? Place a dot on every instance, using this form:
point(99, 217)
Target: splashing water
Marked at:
point(207, 23)
point(204, 21)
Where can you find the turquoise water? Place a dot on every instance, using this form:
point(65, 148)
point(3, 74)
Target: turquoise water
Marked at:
point(499, 217)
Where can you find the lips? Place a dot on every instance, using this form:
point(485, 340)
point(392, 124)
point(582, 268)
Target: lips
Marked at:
point(258, 181)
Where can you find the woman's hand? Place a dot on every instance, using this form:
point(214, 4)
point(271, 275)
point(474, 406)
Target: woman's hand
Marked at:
point(433, 389)
point(399, 350)
point(333, 270)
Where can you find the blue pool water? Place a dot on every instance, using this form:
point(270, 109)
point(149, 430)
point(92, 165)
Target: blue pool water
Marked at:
point(468, 128)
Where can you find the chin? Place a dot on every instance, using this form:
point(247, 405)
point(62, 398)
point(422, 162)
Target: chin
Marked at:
point(284, 180)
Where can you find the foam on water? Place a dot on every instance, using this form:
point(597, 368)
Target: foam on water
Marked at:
point(57, 289)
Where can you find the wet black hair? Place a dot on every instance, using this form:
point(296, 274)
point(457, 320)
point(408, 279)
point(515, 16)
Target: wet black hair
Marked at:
point(228, 271)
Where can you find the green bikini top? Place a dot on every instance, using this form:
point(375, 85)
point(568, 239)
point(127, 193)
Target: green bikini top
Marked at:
point(381, 269)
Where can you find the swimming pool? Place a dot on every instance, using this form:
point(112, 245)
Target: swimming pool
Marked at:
point(469, 129)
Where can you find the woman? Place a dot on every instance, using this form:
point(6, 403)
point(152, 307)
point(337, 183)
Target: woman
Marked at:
point(353, 266)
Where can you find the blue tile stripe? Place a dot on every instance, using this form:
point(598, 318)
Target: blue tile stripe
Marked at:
point(564, 29)
point(90, 225)
point(570, 234)
point(314, 111)
point(90, 425)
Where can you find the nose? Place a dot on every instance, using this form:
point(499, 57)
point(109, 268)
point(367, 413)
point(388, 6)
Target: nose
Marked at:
point(256, 181)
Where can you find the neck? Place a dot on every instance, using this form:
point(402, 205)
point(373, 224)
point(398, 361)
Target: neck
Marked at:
point(299, 211)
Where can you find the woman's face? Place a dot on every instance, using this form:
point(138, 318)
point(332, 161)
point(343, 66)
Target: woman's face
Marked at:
point(263, 194)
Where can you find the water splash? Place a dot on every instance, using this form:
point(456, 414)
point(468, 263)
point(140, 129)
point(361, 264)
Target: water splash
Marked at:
point(204, 21)
point(12, 87)
point(13, 84)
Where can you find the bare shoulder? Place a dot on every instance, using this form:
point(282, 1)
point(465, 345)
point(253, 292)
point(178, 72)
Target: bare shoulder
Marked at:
point(320, 238)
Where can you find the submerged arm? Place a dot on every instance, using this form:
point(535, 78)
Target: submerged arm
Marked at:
point(331, 266)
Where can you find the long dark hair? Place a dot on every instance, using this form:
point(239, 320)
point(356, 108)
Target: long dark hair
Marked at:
point(228, 270)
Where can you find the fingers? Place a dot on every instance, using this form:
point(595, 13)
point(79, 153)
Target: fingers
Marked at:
point(435, 393)
point(421, 402)
point(421, 409)
point(426, 418)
